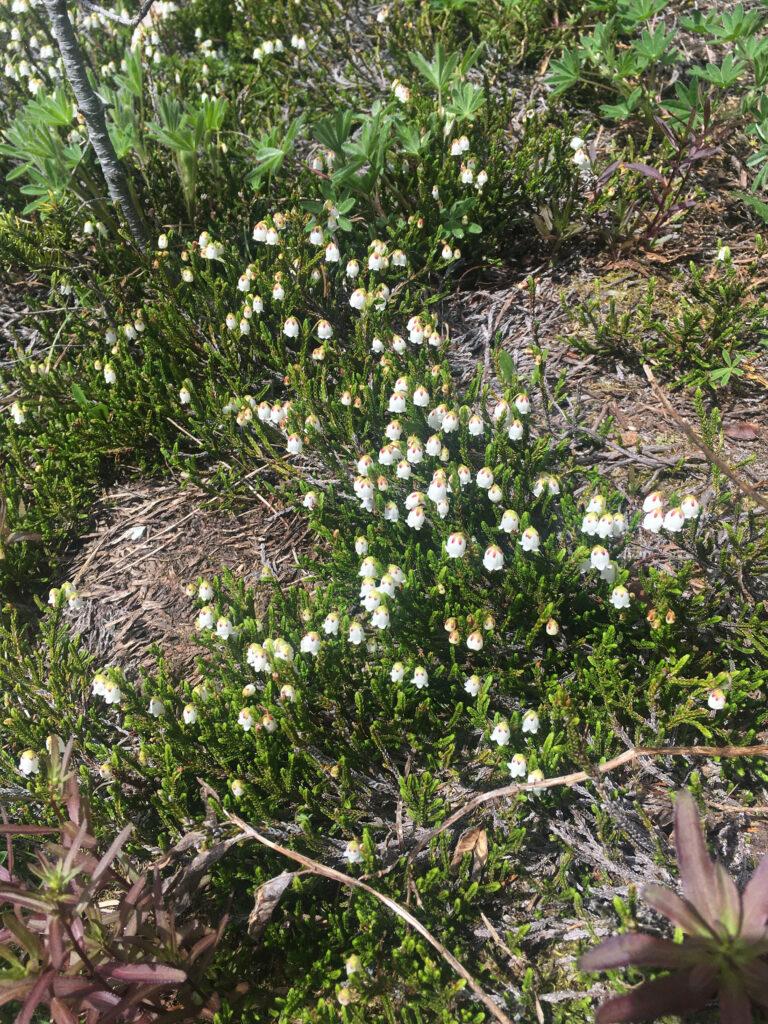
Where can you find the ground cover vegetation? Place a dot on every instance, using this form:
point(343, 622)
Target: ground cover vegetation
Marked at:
point(475, 293)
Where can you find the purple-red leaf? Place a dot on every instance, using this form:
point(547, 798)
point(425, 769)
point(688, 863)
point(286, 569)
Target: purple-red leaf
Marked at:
point(728, 901)
point(14, 989)
point(26, 830)
point(696, 869)
point(35, 997)
point(678, 911)
point(674, 993)
point(60, 1014)
point(755, 975)
point(151, 974)
point(637, 949)
point(647, 171)
point(735, 1007)
point(754, 901)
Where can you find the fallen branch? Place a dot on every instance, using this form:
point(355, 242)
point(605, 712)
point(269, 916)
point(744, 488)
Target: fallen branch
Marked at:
point(694, 438)
point(315, 867)
point(761, 750)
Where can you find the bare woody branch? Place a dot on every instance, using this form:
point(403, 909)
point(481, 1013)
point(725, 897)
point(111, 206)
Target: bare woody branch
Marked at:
point(91, 107)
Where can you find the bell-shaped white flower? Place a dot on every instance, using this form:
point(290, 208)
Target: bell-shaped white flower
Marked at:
point(456, 545)
point(204, 618)
point(654, 520)
point(619, 524)
point(398, 672)
point(530, 722)
point(433, 446)
point(473, 685)
point(475, 640)
point(522, 404)
point(500, 734)
point(29, 763)
point(716, 699)
point(156, 707)
point(238, 788)
point(599, 557)
point(353, 852)
point(510, 522)
point(310, 644)
point(690, 506)
point(530, 541)
point(620, 597)
point(493, 559)
point(420, 677)
point(416, 518)
point(421, 396)
point(495, 494)
point(484, 477)
point(397, 574)
point(224, 628)
point(674, 520)
point(358, 299)
point(310, 500)
point(189, 714)
point(331, 624)
point(356, 633)
point(653, 501)
point(450, 422)
point(475, 425)
point(380, 618)
point(268, 722)
point(398, 402)
point(518, 766)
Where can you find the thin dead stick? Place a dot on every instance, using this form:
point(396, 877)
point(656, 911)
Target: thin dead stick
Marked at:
point(694, 438)
point(761, 750)
point(320, 869)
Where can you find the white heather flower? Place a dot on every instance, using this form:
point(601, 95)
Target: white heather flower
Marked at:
point(324, 330)
point(420, 677)
point(447, 252)
point(258, 304)
point(29, 763)
point(185, 396)
point(510, 522)
point(716, 699)
point(484, 477)
point(162, 242)
point(316, 236)
point(224, 628)
point(723, 254)
point(105, 771)
point(500, 734)
point(522, 404)
point(278, 292)
point(331, 624)
point(493, 559)
point(189, 715)
point(205, 618)
point(18, 413)
point(619, 524)
point(364, 464)
point(674, 520)
point(530, 722)
point(518, 766)
point(620, 597)
point(268, 722)
point(416, 518)
point(472, 685)
point(690, 506)
point(291, 327)
point(414, 498)
point(156, 707)
point(515, 430)
point(436, 417)
point(394, 430)
point(356, 634)
point(540, 486)
point(310, 644)
point(442, 507)
point(475, 425)
point(109, 373)
point(397, 574)
point(529, 540)
point(112, 693)
point(387, 585)
point(433, 446)
point(398, 672)
point(482, 178)
point(257, 658)
point(205, 591)
point(283, 651)
point(464, 144)
point(654, 520)
point(500, 412)
point(475, 640)
point(346, 398)
point(535, 777)
point(438, 488)
point(310, 500)
point(605, 526)
point(260, 232)
point(318, 354)
point(456, 545)
point(187, 274)
point(332, 253)
point(368, 567)
point(450, 422)
point(99, 683)
point(353, 852)
point(380, 617)
point(238, 788)
point(581, 158)
point(372, 599)
point(464, 474)
point(245, 719)
point(358, 298)
point(456, 148)
point(610, 572)
point(353, 269)
point(599, 557)
point(244, 283)
point(589, 524)
point(421, 396)
point(596, 505)
point(391, 512)
point(653, 501)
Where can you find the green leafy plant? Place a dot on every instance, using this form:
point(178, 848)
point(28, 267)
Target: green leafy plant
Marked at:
point(724, 945)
